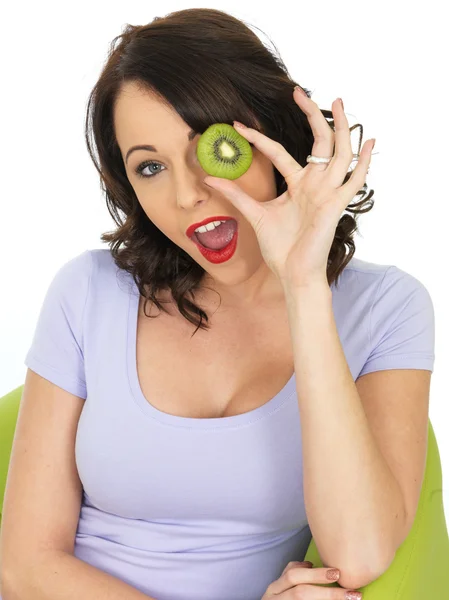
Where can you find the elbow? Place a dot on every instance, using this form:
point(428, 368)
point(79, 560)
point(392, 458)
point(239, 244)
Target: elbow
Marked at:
point(364, 563)
point(358, 577)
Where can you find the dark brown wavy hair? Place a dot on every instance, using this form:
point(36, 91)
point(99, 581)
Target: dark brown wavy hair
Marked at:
point(211, 68)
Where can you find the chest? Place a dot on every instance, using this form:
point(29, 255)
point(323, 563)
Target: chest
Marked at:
point(239, 364)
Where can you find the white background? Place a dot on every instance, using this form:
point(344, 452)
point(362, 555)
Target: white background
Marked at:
point(387, 62)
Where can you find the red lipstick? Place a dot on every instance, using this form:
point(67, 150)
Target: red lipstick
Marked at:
point(214, 256)
point(218, 256)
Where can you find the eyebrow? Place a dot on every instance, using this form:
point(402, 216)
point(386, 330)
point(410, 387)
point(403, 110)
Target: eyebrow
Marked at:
point(190, 137)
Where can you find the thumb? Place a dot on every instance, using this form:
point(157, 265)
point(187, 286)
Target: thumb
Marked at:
point(252, 210)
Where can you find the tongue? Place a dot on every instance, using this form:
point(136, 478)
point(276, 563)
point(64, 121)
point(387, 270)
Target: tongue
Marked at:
point(219, 237)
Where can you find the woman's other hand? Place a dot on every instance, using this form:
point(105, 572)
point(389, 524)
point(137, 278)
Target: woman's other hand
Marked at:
point(300, 581)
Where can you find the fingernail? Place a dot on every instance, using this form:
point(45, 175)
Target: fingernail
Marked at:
point(341, 102)
point(240, 125)
point(333, 574)
point(353, 595)
point(306, 563)
point(301, 90)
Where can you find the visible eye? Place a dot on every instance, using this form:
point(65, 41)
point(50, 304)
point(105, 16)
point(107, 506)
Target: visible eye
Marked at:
point(150, 163)
point(142, 166)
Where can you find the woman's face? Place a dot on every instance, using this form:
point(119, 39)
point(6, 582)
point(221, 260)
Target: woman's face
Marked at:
point(173, 195)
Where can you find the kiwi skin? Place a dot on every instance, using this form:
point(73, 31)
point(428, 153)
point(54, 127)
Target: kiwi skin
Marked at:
point(223, 152)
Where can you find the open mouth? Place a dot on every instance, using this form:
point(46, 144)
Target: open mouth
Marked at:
point(218, 238)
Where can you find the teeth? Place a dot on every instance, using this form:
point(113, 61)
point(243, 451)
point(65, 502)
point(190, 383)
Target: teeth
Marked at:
point(208, 227)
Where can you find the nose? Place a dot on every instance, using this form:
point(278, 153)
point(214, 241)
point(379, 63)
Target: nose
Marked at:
point(191, 191)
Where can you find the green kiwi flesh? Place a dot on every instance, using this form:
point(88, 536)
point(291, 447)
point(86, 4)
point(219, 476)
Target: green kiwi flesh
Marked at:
point(223, 152)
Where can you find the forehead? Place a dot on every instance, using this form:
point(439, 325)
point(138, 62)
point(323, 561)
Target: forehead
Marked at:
point(138, 110)
point(133, 101)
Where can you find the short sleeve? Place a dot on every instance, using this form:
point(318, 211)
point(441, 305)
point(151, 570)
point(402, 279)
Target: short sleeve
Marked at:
point(402, 325)
point(56, 352)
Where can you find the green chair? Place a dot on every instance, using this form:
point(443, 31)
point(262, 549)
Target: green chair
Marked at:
point(419, 569)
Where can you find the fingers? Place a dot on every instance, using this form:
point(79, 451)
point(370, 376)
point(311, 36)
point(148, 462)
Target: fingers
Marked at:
point(282, 160)
point(311, 582)
point(338, 167)
point(324, 141)
point(315, 592)
point(306, 564)
point(324, 137)
point(358, 176)
point(298, 575)
point(328, 143)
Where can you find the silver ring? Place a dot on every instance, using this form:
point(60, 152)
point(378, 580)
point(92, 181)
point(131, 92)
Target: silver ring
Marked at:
point(317, 160)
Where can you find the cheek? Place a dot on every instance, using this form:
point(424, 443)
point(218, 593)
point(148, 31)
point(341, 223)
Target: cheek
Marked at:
point(261, 182)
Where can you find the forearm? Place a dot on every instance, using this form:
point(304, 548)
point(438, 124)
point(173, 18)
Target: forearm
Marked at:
point(62, 576)
point(353, 503)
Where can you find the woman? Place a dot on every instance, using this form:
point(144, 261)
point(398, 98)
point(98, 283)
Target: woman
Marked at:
point(207, 459)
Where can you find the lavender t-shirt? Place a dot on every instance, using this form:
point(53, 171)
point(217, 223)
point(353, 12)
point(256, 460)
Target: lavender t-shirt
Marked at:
point(199, 509)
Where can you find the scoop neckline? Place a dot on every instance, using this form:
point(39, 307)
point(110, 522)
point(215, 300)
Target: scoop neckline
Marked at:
point(151, 411)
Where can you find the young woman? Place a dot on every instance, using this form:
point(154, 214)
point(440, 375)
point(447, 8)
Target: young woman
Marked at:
point(172, 459)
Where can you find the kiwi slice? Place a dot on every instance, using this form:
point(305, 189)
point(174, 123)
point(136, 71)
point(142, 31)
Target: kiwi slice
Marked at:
point(223, 152)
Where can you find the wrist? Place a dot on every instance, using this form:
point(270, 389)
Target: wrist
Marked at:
point(306, 291)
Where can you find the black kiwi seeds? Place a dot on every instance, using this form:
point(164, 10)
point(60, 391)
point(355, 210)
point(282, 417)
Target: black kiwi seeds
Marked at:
point(223, 152)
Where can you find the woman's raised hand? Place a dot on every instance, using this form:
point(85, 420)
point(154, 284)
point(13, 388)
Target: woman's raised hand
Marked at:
point(299, 582)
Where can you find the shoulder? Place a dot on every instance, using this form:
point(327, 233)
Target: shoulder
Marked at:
point(374, 281)
point(392, 312)
point(107, 275)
